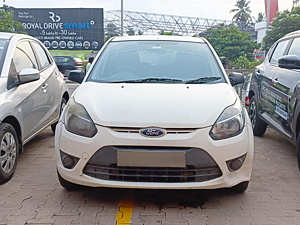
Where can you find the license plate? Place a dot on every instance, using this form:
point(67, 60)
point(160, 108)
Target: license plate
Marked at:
point(151, 158)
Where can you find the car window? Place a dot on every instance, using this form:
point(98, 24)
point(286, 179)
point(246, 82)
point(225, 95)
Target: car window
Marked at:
point(24, 57)
point(295, 47)
point(3, 48)
point(41, 55)
point(155, 59)
point(278, 51)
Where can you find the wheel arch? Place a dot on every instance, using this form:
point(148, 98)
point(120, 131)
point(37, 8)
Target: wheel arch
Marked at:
point(15, 123)
point(297, 123)
point(66, 96)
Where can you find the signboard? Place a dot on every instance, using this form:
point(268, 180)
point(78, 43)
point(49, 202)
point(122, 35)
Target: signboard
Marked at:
point(64, 28)
point(259, 54)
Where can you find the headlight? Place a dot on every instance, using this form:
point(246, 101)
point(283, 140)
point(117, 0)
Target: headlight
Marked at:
point(77, 120)
point(230, 123)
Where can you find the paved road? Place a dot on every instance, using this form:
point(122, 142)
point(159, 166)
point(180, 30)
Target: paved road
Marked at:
point(35, 197)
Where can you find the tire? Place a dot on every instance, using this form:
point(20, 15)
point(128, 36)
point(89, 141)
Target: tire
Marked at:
point(62, 106)
point(259, 126)
point(240, 188)
point(9, 152)
point(66, 72)
point(298, 151)
point(66, 184)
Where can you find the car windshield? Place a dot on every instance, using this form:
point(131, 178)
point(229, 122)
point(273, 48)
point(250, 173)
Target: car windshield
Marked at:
point(3, 47)
point(156, 62)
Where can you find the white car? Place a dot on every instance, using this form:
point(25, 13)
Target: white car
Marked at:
point(155, 112)
point(32, 95)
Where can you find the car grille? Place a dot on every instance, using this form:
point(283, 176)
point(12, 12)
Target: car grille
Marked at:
point(149, 174)
point(168, 130)
point(199, 167)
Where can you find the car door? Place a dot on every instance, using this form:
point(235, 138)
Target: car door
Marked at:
point(265, 77)
point(284, 83)
point(28, 96)
point(52, 87)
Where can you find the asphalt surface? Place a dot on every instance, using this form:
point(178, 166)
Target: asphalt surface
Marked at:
point(35, 197)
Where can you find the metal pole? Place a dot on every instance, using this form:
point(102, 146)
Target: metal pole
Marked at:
point(268, 12)
point(122, 10)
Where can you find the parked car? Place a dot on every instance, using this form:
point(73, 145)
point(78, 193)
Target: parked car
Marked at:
point(155, 112)
point(66, 63)
point(245, 91)
point(32, 95)
point(274, 91)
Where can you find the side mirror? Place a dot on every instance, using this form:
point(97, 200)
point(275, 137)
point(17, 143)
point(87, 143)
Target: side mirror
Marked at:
point(28, 75)
point(289, 62)
point(236, 78)
point(76, 76)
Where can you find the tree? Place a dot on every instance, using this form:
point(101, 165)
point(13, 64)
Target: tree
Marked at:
point(111, 31)
point(140, 32)
point(7, 23)
point(284, 23)
point(260, 17)
point(242, 15)
point(130, 31)
point(231, 42)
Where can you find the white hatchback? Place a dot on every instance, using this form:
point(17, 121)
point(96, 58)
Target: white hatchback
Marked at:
point(155, 112)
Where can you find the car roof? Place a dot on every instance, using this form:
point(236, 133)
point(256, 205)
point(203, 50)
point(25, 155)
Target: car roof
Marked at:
point(7, 36)
point(294, 33)
point(158, 37)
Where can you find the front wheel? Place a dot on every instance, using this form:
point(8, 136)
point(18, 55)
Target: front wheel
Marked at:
point(9, 151)
point(298, 151)
point(259, 126)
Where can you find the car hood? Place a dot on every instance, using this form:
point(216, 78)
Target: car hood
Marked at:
point(152, 104)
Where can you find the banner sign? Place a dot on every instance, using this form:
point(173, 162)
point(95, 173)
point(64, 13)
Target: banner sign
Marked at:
point(64, 28)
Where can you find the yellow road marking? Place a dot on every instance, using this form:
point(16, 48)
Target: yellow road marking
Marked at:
point(123, 216)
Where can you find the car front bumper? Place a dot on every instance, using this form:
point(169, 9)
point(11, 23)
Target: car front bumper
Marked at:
point(101, 158)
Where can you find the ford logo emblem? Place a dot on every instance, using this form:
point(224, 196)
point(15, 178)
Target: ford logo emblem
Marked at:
point(153, 132)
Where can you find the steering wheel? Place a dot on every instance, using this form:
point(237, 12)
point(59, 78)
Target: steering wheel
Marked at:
point(125, 70)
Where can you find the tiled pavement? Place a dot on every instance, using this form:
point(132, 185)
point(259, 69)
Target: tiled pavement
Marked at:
point(35, 197)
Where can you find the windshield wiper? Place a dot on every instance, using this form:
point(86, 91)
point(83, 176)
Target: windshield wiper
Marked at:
point(202, 80)
point(150, 80)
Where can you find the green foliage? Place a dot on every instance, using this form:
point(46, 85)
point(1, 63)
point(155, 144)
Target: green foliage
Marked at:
point(7, 23)
point(260, 17)
point(231, 42)
point(243, 62)
point(79, 53)
point(111, 31)
point(130, 32)
point(284, 23)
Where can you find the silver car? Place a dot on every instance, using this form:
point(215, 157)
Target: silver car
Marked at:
point(32, 95)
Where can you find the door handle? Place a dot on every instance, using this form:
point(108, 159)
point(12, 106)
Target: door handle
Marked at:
point(257, 72)
point(44, 88)
point(275, 81)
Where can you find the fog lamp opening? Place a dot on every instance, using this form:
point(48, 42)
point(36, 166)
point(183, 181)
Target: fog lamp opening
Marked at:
point(68, 161)
point(236, 164)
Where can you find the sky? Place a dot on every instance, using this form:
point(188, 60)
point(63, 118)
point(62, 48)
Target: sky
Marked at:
point(209, 9)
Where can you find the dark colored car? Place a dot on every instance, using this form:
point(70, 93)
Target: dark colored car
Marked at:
point(67, 63)
point(275, 91)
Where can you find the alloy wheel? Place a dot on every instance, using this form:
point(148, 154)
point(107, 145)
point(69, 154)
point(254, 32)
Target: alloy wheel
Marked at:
point(8, 152)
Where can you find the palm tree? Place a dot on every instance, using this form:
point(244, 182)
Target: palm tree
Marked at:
point(242, 15)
